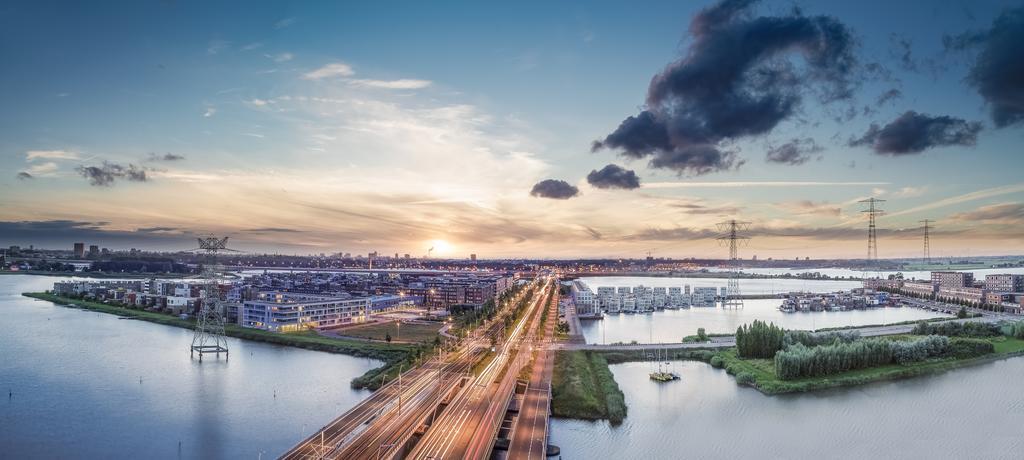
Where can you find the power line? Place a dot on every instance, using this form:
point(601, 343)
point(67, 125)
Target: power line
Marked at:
point(872, 212)
point(927, 245)
point(731, 235)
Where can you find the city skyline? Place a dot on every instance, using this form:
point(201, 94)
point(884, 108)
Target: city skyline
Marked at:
point(570, 130)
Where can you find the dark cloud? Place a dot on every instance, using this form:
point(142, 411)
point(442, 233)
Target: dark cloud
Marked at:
point(998, 71)
point(108, 173)
point(554, 188)
point(915, 132)
point(736, 79)
point(614, 176)
point(888, 96)
point(594, 234)
point(700, 209)
point(272, 230)
point(158, 230)
point(24, 175)
point(165, 157)
point(794, 152)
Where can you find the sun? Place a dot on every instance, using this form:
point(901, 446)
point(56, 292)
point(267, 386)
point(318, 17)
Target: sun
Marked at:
point(441, 247)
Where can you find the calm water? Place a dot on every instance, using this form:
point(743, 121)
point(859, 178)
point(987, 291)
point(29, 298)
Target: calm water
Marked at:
point(747, 286)
point(968, 413)
point(75, 379)
point(673, 325)
point(979, 273)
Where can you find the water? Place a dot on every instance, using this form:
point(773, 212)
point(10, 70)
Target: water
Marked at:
point(75, 377)
point(967, 413)
point(979, 273)
point(747, 286)
point(673, 325)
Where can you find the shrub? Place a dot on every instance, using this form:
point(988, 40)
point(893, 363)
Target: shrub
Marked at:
point(951, 329)
point(745, 378)
point(811, 339)
point(970, 348)
point(701, 335)
point(1017, 330)
point(717, 362)
point(801, 361)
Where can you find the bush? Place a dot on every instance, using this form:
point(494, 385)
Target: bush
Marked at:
point(1017, 330)
point(962, 348)
point(745, 378)
point(717, 362)
point(701, 335)
point(951, 329)
point(811, 339)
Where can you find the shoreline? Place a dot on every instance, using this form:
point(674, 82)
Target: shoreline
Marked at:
point(99, 275)
point(393, 356)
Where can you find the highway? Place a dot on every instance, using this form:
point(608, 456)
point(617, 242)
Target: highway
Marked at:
point(381, 425)
point(530, 434)
point(468, 427)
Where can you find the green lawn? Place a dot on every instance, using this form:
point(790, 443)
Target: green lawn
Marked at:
point(407, 332)
point(765, 380)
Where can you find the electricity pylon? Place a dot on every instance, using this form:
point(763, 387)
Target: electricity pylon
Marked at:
point(730, 231)
point(872, 212)
point(927, 245)
point(209, 334)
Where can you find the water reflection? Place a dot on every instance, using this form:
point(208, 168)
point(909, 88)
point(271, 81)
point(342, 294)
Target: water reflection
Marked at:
point(967, 413)
point(76, 392)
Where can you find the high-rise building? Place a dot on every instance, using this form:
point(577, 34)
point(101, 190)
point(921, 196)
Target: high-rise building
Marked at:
point(94, 250)
point(80, 250)
point(472, 257)
point(951, 279)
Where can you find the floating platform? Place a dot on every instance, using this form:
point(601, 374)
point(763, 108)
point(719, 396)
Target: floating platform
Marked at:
point(664, 376)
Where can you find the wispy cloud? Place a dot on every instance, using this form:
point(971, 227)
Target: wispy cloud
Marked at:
point(42, 169)
point(286, 22)
point(967, 197)
point(332, 70)
point(51, 155)
point(210, 111)
point(282, 57)
point(392, 84)
point(217, 46)
point(261, 136)
point(756, 184)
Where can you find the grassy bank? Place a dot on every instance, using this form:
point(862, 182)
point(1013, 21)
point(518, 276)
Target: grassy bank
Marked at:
point(394, 355)
point(407, 332)
point(583, 387)
point(760, 373)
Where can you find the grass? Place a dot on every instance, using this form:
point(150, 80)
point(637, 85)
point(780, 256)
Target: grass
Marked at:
point(408, 332)
point(584, 388)
point(394, 355)
point(765, 380)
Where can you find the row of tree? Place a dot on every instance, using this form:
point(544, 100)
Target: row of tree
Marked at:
point(1017, 330)
point(759, 340)
point(798, 360)
point(951, 329)
point(814, 339)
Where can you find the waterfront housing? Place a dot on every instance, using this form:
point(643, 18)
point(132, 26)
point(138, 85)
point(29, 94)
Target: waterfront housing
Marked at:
point(999, 291)
point(287, 312)
point(625, 299)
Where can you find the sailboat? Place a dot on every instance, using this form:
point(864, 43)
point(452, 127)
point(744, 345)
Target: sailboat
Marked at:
point(663, 375)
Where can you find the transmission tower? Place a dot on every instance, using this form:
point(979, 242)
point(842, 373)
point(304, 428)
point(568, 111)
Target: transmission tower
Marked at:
point(927, 245)
point(730, 231)
point(872, 212)
point(209, 334)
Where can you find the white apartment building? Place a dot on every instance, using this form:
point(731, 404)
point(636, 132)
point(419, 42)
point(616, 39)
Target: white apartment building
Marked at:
point(285, 311)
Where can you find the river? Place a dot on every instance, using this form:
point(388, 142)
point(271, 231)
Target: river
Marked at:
point(673, 325)
point(83, 384)
point(975, 412)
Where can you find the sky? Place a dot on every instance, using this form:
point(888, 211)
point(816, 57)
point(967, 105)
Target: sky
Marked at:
point(526, 129)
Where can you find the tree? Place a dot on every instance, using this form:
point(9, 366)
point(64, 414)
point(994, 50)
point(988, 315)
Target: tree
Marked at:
point(701, 335)
point(387, 338)
point(962, 313)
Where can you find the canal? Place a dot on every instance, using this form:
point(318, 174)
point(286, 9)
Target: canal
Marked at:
point(82, 384)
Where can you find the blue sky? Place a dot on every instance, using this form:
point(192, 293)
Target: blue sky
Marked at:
point(322, 127)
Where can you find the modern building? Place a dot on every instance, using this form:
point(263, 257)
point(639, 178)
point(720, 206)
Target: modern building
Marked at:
point(952, 279)
point(921, 289)
point(1004, 283)
point(285, 311)
point(79, 250)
